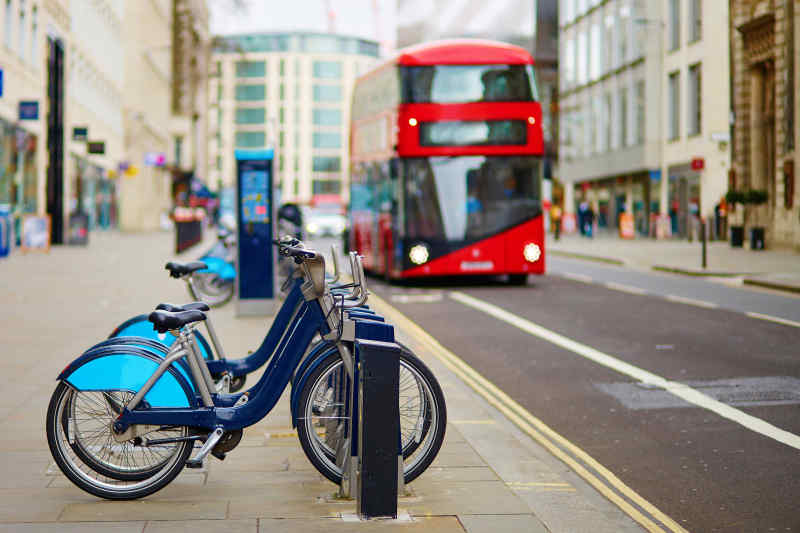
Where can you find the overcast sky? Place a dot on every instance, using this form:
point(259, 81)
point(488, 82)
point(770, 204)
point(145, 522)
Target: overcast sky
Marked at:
point(352, 17)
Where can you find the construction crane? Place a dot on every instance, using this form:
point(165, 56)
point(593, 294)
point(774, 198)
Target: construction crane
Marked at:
point(331, 14)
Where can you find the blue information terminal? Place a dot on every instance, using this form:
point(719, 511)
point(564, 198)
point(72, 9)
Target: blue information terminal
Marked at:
point(255, 221)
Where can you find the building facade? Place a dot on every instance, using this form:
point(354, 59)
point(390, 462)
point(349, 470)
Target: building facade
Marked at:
point(644, 111)
point(85, 111)
point(290, 92)
point(765, 44)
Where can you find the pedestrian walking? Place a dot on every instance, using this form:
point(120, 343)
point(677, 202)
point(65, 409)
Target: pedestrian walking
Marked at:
point(589, 221)
point(555, 219)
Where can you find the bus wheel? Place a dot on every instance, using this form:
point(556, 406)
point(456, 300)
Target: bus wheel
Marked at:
point(517, 279)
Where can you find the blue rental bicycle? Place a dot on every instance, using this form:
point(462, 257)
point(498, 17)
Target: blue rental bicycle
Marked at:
point(125, 417)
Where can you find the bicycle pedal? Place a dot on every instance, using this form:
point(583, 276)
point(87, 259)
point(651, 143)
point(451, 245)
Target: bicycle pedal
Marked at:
point(219, 455)
point(191, 463)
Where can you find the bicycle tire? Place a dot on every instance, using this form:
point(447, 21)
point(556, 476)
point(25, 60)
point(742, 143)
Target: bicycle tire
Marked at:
point(433, 437)
point(82, 448)
point(196, 290)
point(82, 477)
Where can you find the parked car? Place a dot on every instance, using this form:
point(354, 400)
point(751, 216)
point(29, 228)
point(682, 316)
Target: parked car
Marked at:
point(324, 222)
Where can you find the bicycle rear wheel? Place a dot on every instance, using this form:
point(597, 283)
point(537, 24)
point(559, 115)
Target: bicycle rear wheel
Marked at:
point(211, 289)
point(423, 416)
point(92, 475)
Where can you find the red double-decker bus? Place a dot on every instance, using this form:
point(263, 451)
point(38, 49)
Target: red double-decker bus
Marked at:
point(446, 146)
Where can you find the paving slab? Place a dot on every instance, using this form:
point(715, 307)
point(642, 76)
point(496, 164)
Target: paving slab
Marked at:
point(102, 511)
point(434, 524)
point(502, 524)
point(74, 527)
point(201, 526)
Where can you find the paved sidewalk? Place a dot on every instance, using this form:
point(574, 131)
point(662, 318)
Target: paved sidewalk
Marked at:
point(488, 477)
point(778, 269)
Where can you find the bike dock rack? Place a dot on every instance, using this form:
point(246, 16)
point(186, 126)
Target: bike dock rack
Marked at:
point(369, 443)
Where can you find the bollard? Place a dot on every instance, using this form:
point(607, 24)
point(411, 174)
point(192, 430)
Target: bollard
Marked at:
point(703, 239)
point(380, 459)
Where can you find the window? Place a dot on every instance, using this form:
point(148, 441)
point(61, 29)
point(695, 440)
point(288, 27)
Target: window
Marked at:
point(674, 102)
point(583, 58)
point(219, 162)
point(569, 63)
point(21, 35)
point(9, 22)
point(249, 93)
point(251, 115)
point(695, 99)
point(250, 139)
point(282, 67)
point(640, 112)
point(327, 93)
point(610, 64)
point(34, 58)
point(325, 139)
point(326, 164)
point(280, 162)
point(597, 125)
point(282, 139)
point(251, 69)
point(596, 52)
point(473, 133)
point(695, 20)
point(327, 117)
point(296, 162)
point(282, 92)
point(623, 32)
point(282, 115)
point(296, 188)
point(326, 186)
point(219, 90)
point(468, 83)
point(328, 69)
point(622, 120)
point(607, 123)
point(674, 24)
point(178, 150)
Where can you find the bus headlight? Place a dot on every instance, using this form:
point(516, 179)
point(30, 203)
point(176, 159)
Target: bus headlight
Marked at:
point(532, 252)
point(419, 254)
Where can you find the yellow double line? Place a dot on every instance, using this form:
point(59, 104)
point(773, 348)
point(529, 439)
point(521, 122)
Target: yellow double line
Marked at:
point(602, 479)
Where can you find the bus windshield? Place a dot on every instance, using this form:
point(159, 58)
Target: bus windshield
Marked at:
point(469, 197)
point(449, 84)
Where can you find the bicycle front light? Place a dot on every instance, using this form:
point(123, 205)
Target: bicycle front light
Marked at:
point(419, 254)
point(532, 252)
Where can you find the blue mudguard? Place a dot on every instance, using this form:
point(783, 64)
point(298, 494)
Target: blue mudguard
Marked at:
point(218, 266)
point(128, 368)
point(139, 326)
point(151, 346)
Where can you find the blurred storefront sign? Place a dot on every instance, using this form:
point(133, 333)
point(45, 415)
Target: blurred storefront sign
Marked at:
point(626, 226)
point(80, 133)
point(28, 110)
point(96, 147)
point(155, 159)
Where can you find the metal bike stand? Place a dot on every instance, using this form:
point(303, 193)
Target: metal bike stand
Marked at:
point(379, 469)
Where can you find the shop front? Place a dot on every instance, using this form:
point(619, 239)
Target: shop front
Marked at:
point(17, 175)
point(93, 203)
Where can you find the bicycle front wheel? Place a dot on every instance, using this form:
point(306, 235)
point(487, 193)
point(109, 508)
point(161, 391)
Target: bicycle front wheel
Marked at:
point(145, 470)
point(423, 415)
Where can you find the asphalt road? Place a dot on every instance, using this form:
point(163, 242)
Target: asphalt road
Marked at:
point(707, 472)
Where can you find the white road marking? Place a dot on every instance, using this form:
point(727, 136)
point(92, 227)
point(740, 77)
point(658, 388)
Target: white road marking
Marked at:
point(691, 301)
point(583, 278)
point(417, 298)
point(678, 389)
point(784, 321)
point(625, 288)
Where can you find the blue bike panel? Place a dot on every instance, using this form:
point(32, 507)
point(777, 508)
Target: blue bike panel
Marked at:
point(129, 372)
point(218, 266)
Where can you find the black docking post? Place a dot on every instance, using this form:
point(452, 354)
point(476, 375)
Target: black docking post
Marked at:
point(379, 455)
